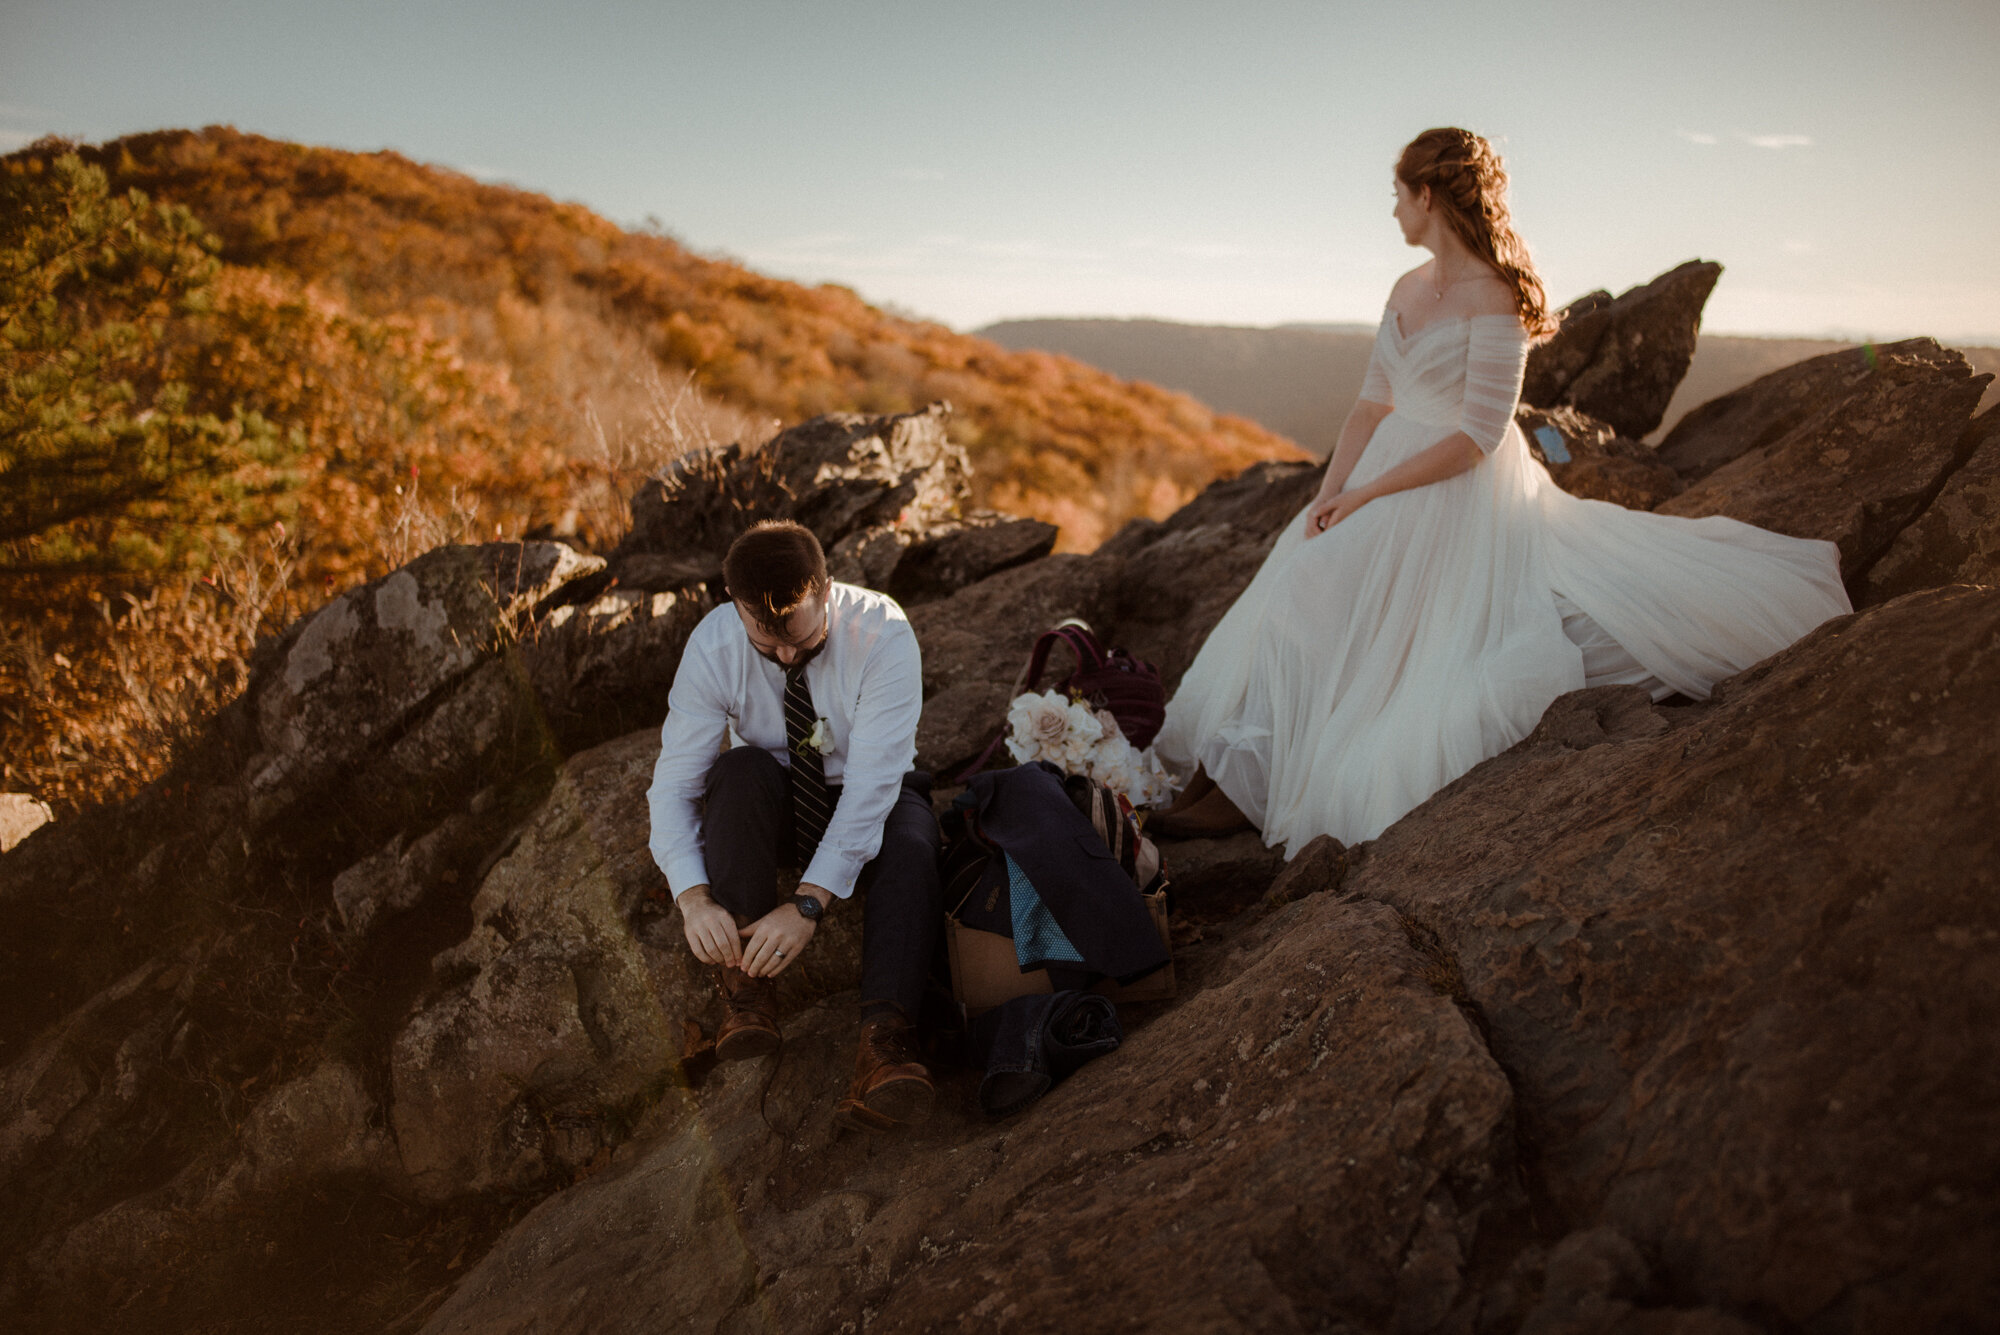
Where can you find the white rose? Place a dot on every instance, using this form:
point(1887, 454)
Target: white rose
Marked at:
point(820, 739)
point(1119, 778)
point(1081, 739)
point(1038, 726)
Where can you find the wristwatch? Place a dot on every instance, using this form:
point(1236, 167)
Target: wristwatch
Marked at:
point(808, 907)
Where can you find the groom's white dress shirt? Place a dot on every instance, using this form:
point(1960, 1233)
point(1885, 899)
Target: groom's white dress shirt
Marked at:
point(867, 687)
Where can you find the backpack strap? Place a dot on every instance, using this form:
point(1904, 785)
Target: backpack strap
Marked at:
point(1072, 631)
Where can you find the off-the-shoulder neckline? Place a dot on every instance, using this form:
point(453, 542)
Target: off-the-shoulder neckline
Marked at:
point(1394, 319)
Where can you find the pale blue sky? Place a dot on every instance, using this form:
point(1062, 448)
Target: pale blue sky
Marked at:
point(1204, 162)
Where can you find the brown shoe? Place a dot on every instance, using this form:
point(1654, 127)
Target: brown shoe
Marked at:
point(891, 1087)
point(750, 1029)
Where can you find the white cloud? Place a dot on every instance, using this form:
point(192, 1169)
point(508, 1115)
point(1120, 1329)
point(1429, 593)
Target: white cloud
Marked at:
point(1696, 136)
point(1777, 140)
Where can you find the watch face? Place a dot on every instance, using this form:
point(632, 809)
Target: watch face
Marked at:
point(809, 908)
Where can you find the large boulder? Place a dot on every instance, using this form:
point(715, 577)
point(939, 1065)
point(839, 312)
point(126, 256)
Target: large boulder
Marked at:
point(562, 1015)
point(1585, 457)
point(1738, 959)
point(965, 552)
point(1858, 469)
point(395, 691)
point(1174, 579)
point(604, 667)
point(1956, 540)
point(976, 645)
point(1619, 360)
point(838, 474)
point(1319, 1142)
point(1746, 420)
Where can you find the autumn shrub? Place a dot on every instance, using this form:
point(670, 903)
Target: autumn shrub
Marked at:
point(373, 356)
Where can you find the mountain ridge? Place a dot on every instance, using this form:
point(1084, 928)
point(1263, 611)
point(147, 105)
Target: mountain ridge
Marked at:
point(1299, 379)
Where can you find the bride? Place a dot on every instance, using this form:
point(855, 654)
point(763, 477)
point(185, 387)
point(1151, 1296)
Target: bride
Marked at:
point(1440, 591)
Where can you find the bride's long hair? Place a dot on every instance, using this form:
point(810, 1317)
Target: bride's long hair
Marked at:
point(1469, 183)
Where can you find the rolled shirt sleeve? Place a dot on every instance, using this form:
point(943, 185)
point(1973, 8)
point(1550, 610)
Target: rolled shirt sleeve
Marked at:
point(878, 751)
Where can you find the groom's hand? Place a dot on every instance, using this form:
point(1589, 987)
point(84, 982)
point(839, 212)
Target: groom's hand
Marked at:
point(711, 928)
point(773, 941)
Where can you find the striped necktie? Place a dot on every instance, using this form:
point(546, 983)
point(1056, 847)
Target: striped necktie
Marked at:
point(811, 808)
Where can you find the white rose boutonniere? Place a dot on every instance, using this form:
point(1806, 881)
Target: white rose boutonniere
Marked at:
point(820, 738)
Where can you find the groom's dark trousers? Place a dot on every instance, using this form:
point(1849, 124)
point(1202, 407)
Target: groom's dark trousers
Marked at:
point(746, 830)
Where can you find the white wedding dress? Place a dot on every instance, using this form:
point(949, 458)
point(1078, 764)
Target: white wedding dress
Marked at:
point(1364, 669)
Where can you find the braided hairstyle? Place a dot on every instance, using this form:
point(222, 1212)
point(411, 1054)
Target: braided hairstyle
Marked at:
point(1468, 182)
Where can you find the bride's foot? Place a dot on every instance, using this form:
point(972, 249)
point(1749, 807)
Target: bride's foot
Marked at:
point(1199, 786)
point(1208, 817)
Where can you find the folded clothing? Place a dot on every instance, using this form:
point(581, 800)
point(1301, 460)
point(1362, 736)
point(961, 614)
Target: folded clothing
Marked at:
point(1029, 1043)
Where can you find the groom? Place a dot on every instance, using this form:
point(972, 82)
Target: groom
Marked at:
point(821, 686)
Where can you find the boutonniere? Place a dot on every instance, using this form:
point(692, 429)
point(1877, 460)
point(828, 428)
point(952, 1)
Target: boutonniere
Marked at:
point(820, 738)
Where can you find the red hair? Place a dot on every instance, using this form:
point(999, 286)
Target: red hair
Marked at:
point(1466, 180)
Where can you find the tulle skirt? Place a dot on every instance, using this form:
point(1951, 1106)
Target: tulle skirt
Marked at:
point(1365, 668)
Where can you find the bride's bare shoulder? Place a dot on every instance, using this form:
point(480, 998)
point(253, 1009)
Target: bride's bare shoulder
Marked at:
point(1406, 286)
point(1489, 294)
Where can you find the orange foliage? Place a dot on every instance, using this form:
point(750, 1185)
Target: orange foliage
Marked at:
point(527, 315)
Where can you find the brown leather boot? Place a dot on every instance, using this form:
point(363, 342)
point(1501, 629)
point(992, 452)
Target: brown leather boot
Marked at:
point(750, 1029)
point(891, 1087)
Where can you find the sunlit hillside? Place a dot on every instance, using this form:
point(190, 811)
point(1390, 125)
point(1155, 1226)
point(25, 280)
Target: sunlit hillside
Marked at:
point(289, 368)
point(576, 316)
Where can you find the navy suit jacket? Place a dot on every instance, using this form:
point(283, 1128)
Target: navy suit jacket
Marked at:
point(1025, 813)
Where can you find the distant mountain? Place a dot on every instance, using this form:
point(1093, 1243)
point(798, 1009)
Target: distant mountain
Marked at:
point(1297, 380)
point(1300, 379)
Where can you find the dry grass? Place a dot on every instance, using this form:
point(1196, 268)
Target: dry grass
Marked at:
point(662, 420)
point(101, 690)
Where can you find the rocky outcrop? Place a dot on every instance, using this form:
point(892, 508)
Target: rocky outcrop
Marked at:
point(840, 474)
point(397, 690)
point(603, 667)
point(1588, 458)
point(548, 1022)
point(1956, 540)
point(1173, 580)
point(1666, 1020)
point(1328, 1103)
point(976, 645)
point(1618, 360)
point(963, 553)
point(1746, 420)
point(1771, 1073)
point(1858, 469)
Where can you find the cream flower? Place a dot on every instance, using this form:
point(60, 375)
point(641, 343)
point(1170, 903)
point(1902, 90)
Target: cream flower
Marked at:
point(1080, 738)
point(1038, 726)
point(820, 738)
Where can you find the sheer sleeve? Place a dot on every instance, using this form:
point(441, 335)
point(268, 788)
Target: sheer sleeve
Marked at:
point(1375, 385)
point(1496, 358)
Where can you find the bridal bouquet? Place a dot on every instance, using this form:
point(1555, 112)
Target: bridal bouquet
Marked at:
point(1080, 740)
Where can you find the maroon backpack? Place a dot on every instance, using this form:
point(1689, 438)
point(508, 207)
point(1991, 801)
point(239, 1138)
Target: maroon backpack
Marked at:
point(1110, 679)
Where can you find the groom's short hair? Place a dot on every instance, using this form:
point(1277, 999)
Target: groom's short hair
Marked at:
point(773, 569)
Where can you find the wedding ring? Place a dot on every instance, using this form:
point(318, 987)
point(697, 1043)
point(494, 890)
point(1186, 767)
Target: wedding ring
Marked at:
point(781, 954)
